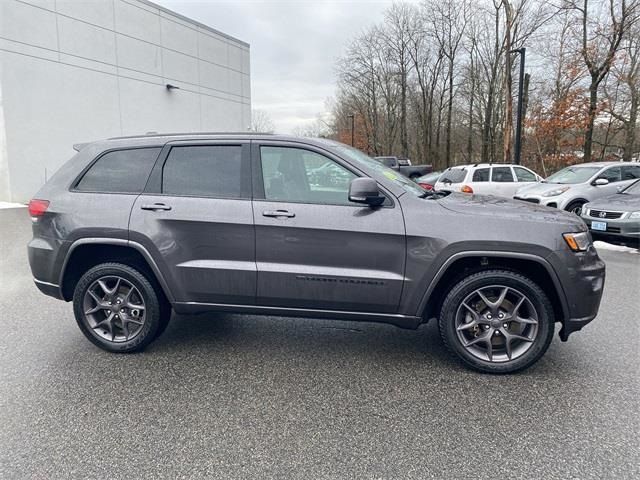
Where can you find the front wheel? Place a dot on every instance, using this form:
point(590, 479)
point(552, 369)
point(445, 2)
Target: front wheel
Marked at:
point(575, 207)
point(117, 308)
point(497, 321)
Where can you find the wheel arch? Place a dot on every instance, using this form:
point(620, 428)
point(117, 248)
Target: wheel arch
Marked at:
point(86, 253)
point(466, 263)
point(576, 200)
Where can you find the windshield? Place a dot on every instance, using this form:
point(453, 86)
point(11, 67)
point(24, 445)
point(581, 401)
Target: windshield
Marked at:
point(633, 189)
point(357, 156)
point(573, 175)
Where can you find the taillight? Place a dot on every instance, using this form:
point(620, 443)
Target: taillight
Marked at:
point(37, 208)
point(426, 186)
point(466, 189)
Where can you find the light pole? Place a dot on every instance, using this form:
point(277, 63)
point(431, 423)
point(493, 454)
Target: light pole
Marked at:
point(518, 146)
point(353, 118)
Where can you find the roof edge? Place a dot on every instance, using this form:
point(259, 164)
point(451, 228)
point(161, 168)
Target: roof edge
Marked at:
point(195, 22)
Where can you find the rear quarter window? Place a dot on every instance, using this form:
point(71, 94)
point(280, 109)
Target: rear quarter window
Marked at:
point(119, 171)
point(455, 175)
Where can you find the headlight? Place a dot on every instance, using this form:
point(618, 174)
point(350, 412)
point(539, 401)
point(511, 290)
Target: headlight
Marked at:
point(556, 192)
point(578, 242)
point(634, 215)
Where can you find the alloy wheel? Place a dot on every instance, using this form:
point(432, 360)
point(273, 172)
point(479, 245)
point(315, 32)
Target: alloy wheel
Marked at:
point(114, 308)
point(496, 323)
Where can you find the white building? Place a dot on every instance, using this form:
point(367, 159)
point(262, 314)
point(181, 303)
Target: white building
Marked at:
point(79, 70)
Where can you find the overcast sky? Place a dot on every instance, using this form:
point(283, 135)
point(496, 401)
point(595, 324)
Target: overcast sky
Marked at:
point(294, 45)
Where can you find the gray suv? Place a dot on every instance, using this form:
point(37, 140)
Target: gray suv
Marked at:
point(131, 229)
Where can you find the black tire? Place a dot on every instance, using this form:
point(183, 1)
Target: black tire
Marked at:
point(514, 282)
point(155, 314)
point(573, 206)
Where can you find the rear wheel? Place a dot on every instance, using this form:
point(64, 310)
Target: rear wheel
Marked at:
point(118, 309)
point(497, 321)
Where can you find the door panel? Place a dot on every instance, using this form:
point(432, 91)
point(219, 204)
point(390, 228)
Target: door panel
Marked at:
point(330, 257)
point(315, 248)
point(204, 243)
point(207, 246)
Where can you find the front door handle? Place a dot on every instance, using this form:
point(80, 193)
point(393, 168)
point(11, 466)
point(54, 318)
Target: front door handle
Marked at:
point(155, 206)
point(278, 213)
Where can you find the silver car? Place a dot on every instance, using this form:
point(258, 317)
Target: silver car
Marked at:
point(572, 187)
point(616, 217)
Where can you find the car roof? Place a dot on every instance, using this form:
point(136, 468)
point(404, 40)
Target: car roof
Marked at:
point(155, 139)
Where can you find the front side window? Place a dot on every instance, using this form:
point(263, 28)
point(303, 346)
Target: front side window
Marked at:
point(204, 171)
point(502, 174)
point(612, 174)
point(298, 175)
point(524, 175)
point(120, 171)
point(481, 175)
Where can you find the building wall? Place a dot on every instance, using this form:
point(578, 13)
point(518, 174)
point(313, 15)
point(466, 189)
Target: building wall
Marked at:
point(74, 71)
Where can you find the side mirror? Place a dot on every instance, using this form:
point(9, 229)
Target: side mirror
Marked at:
point(365, 190)
point(600, 182)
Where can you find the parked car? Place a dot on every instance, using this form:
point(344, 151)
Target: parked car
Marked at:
point(132, 228)
point(617, 216)
point(429, 180)
point(570, 188)
point(404, 166)
point(497, 179)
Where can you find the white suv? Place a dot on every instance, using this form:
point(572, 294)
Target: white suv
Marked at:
point(499, 179)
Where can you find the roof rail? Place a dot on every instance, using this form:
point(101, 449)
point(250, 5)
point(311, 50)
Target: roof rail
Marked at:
point(186, 134)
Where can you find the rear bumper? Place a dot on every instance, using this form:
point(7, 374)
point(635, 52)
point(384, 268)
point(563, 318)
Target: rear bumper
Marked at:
point(582, 278)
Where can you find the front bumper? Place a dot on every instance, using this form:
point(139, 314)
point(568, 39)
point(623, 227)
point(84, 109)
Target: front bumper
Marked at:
point(559, 201)
point(582, 278)
point(623, 228)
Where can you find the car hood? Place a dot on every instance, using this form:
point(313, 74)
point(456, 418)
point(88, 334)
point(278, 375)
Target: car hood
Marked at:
point(619, 201)
point(504, 208)
point(541, 188)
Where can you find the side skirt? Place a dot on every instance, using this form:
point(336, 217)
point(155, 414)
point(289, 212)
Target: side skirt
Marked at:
point(402, 321)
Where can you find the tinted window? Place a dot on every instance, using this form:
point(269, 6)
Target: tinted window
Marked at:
point(611, 174)
point(502, 174)
point(297, 175)
point(454, 175)
point(524, 175)
point(121, 171)
point(204, 171)
point(481, 175)
point(630, 172)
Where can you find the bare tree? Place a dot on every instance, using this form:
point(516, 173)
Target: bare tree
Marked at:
point(624, 98)
point(261, 122)
point(601, 32)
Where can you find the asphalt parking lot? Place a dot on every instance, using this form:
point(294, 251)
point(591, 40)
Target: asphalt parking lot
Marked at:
point(231, 396)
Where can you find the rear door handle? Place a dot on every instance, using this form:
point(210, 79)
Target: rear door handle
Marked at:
point(155, 206)
point(278, 213)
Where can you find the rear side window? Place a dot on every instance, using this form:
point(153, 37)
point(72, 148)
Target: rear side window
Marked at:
point(630, 172)
point(481, 175)
point(455, 175)
point(502, 174)
point(524, 175)
point(120, 171)
point(204, 171)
